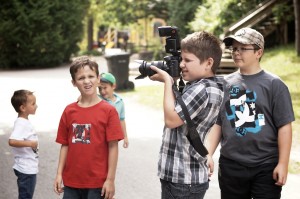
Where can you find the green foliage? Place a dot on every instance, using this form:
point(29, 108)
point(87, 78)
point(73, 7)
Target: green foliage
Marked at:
point(282, 12)
point(207, 16)
point(90, 52)
point(124, 12)
point(214, 15)
point(39, 33)
point(181, 12)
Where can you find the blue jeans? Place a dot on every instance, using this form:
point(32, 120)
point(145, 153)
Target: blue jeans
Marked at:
point(77, 193)
point(171, 190)
point(26, 184)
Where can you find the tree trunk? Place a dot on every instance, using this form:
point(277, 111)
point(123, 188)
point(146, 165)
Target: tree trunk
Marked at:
point(297, 26)
point(90, 33)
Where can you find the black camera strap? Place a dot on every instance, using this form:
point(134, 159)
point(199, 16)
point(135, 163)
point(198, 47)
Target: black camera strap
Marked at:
point(193, 135)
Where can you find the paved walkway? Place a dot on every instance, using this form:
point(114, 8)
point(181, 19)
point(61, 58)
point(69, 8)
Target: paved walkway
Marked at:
point(136, 174)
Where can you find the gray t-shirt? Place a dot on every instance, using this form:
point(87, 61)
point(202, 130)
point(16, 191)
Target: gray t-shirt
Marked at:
point(254, 107)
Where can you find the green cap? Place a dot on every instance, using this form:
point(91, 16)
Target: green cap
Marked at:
point(108, 78)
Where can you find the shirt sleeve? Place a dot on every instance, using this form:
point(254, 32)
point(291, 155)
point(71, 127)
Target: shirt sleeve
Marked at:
point(122, 111)
point(62, 132)
point(114, 130)
point(281, 104)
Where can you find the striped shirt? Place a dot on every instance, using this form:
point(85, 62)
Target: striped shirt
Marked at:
point(178, 160)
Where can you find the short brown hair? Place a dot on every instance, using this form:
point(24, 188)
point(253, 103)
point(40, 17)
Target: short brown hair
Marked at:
point(20, 98)
point(81, 62)
point(203, 45)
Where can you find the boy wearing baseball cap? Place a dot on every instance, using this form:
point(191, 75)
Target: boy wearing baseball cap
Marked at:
point(107, 88)
point(254, 125)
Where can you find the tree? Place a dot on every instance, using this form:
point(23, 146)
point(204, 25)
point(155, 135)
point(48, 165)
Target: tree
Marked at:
point(40, 33)
point(181, 12)
point(120, 13)
point(215, 15)
point(297, 26)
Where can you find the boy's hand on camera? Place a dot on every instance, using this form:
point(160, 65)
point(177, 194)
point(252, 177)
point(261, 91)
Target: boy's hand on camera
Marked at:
point(161, 75)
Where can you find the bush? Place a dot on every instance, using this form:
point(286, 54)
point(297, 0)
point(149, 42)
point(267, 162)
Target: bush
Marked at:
point(40, 33)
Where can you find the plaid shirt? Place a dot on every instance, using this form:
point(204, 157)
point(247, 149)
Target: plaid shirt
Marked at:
point(178, 160)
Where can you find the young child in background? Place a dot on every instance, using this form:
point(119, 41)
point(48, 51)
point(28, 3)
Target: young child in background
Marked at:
point(24, 143)
point(89, 131)
point(107, 88)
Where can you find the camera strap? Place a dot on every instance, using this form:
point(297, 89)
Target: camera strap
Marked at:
point(193, 135)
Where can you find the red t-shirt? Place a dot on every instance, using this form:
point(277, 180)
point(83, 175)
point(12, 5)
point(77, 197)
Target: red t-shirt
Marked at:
point(87, 132)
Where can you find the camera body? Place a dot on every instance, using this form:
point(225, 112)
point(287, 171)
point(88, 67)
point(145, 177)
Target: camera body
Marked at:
point(171, 63)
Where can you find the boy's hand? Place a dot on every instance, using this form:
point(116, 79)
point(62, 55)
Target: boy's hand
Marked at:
point(34, 144)
point(108, 189)
point(210, 164)
point(57, 185)
point(280, 174)
point(125, 142)
point(161, 75)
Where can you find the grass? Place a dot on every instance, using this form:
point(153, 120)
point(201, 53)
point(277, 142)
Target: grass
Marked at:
point(281, 61)
point(151, 96)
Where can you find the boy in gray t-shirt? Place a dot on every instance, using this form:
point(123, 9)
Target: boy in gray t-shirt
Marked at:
point(254, 125)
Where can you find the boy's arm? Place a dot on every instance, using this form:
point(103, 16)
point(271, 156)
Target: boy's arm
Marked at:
point(23, 143)
point(211, 143)
point(284, 146)
point(171, 117)
point(108, 188)
point(61, 164)
point(123, 125)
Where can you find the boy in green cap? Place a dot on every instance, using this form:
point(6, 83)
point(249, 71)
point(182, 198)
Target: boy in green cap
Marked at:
point(107, 88)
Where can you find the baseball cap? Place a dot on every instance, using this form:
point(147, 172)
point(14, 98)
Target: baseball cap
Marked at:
point(246, 36)
point(107, 77)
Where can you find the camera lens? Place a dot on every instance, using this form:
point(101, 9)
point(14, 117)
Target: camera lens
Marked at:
point(145, 69)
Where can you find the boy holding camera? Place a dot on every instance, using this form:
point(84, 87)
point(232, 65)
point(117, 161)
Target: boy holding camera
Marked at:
point(182, 170)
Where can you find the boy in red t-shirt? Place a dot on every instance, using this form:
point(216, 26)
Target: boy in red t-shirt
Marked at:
point(89, 131)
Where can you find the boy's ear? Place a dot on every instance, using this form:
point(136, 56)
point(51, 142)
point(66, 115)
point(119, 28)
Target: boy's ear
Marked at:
point(22, 108)
point(259, 53)
point(114, 86)
point(210, 62)
point(73, 82)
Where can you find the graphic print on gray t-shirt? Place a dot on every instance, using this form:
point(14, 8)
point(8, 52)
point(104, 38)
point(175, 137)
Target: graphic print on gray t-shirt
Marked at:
point(242, 111)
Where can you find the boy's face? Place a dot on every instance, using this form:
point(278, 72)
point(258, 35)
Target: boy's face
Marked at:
point(30, 106)
point(244, 55)
point(192, 69)
point(106, 90)
point(86, 80)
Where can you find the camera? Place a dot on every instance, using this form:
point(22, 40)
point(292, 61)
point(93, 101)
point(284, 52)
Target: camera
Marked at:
point(170, 63)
